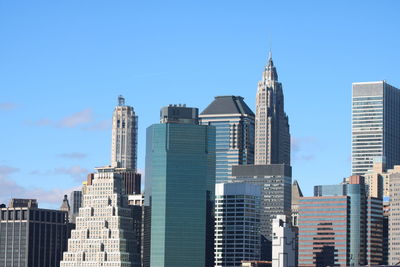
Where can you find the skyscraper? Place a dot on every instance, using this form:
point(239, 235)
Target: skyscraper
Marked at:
point(124, 136)
point(340, 225)
point(283, 242)
point(30, 236)
point(104, 234)
point(272, 136)
point(75, 203)
point(180, 181)
point(275, 181)
point(375, 125)
point(237, 223)
point(234, 123)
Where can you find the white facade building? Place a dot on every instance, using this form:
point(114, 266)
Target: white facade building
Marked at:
point(283, 243)
point(237, 223)
point(104, 234)
point(124, 136)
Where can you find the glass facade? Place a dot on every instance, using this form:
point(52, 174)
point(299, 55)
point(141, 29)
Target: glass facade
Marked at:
point(237, 222)
point(323, 234)
point(180, 180)
point(234, 124)
point(375, 125)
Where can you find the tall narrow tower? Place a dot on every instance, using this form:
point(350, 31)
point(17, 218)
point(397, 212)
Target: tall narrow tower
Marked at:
point(272, 136)
point(124, 136)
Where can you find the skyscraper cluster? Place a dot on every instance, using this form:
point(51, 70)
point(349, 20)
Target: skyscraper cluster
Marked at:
point(219, 192)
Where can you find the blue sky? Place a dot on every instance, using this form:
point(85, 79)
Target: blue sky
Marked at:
point(63, 64)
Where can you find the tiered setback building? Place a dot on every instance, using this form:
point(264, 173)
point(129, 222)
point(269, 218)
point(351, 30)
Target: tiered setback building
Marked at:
point(104, 234)
point(32, 237)
point(272, 136)
point(234, 123)
point(180, 188)
point(237, 223)
point(375, 125)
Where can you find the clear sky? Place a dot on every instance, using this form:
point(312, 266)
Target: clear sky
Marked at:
point(63, 64)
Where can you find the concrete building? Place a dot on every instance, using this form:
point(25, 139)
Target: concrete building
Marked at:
point(375, 125)
point(124, 136)
point(104, 234)
point(385, 231)
point(234, 123)
point(75, 203)
point(179, 191)
point(296, 195)
point(394, 220)
point(30, 236)
point(378, 180)
point(276, 184)
point(272, 136)
point(283, 242)
point(136, 202)
point(237, 223)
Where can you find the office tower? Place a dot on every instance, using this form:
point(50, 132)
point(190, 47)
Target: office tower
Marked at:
point(104, 234)
point(323, 231)
point(124, 136)
point(283, 242)
point(394, 219)
point(377, 179)
point(375, 125)
point(237, 223)
point(272, 136)
point(30, 236)
point(234, 124)
point(340, 225)
point(136, 202)
point(276, 184)
point(75, 203)
point(296, 195)
point(385, 231)
point(180, 185)
point(374, 225)
point(356, 192)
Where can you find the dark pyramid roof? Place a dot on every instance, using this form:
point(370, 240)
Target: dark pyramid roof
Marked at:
point(296, 193)
point(228, 105)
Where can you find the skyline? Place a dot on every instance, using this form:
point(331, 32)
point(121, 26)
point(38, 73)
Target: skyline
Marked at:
point(64, 66)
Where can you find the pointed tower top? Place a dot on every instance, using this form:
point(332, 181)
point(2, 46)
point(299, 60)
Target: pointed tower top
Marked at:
point(65, 204)
point(270, 69)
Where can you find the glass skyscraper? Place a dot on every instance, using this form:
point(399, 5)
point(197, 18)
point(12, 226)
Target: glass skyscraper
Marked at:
point(234, 123)
point(375, 125)
point(180, 180)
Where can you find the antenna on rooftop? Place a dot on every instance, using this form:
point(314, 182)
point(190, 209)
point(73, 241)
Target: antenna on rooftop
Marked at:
point(121, 100)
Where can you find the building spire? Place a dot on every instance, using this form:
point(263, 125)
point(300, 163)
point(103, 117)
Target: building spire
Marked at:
point(270, 69)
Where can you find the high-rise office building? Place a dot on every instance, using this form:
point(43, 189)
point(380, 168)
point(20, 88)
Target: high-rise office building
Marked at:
point(340, 225)
point(272, 136)
point(104, 234)
point(75, 203)
point(180, 185)
point(378, 180)
point(276, 183)
point(394, 220)
point(323, 231)
point(30, 236)
point(237, 223)
point(375, 125)
point(234, 123)
point(124, 136)
point(283, 242)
